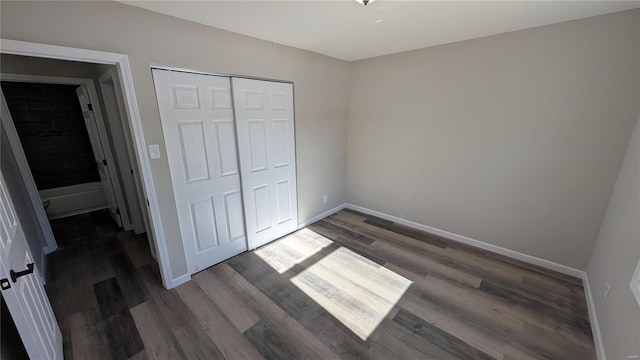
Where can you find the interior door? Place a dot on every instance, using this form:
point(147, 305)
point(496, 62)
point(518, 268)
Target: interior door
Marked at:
point(199, 132)
point(121, 141)
point(25, 295)
point(266, 146)
point(98, 152)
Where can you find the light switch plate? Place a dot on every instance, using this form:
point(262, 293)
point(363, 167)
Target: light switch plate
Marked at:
point(154, 151)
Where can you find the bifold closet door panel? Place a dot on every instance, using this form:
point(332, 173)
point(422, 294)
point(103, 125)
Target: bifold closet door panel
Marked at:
point(196, 112)
point(266, 147)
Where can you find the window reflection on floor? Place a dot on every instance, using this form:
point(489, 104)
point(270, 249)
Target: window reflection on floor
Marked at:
point(352, 288)
point(285, 253)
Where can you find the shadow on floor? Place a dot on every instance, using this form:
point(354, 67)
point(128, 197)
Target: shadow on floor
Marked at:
point(11, 347)
point(93, 281)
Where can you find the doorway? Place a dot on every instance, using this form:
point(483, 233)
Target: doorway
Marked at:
point(57, 159)
point(67, 143)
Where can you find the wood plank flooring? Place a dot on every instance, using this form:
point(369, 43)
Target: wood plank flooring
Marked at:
point(350, 286)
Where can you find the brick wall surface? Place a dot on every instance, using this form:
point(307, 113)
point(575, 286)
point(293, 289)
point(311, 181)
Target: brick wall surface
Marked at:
point(49, 123)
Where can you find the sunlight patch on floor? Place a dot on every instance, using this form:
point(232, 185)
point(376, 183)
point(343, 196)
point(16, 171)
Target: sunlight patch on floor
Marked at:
point(285, 253)
point(355, 290)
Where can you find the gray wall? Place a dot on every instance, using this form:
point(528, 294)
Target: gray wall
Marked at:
point(614, 258)
point(14, 64)
point(321, 86)
point(514, 139)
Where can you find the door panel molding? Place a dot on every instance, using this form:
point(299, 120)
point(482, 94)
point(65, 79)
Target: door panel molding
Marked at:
point(265, 127)
point(199, 133)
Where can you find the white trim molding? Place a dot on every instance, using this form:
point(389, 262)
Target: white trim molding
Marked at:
point(117, 120)
point(321, 216)
point(475, 243)
point(180, 280)
point(121, 61)
point(593, 318)
point(635, 283)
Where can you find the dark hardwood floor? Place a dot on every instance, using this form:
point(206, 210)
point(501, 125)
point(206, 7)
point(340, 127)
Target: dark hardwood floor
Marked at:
point(350, 286)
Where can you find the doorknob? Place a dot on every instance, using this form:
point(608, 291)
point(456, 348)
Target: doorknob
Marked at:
point(16, 275)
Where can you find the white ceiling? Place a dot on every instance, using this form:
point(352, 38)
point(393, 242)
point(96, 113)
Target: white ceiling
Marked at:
point(348, 30)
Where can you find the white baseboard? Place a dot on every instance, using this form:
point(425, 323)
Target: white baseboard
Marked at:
point(186, 277)
point(475, 243)
point(78, 212)
point(179, 281)
point(321, 216)
point(595, 328)
point(593, 318)
point(154, 254)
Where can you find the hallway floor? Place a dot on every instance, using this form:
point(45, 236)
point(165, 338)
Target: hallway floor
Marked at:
point(96, 263)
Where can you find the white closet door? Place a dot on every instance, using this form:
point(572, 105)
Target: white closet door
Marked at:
point(266, 146)
point(197, 122)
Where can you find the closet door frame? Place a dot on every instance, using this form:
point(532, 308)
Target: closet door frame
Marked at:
point(229, 75)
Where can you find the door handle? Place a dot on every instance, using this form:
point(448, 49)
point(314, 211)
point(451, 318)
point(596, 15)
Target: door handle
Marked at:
point(16, 275)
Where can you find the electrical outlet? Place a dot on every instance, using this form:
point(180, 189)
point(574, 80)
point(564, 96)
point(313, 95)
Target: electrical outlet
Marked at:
point(325, 199)
point(605, 294)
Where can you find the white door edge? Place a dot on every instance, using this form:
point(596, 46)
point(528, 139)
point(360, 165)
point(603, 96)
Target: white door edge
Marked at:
point(27, 177)
point(139, 220)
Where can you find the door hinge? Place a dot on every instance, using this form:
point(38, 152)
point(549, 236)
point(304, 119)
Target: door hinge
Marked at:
point(104, 162)
point(131, 171)
point(117, 211)
point(90, 107)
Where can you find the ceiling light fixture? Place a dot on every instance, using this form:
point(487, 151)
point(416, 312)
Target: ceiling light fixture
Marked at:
point(365, 2)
